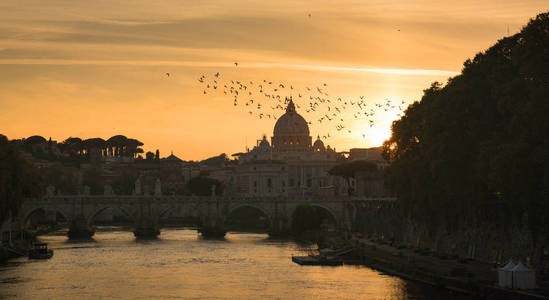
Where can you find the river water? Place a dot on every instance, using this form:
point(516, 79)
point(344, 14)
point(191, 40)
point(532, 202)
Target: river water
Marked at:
point(180, 264)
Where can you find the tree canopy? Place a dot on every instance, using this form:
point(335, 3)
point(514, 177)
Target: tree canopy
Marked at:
point(61, 177)
point(35, 140)
point(480, 142)
point(93, 178)
point(202, 186)
point(18, 179)
point(348, 170)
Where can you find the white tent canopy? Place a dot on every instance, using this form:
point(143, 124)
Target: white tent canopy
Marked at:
point(505, 274)
point(523, 277)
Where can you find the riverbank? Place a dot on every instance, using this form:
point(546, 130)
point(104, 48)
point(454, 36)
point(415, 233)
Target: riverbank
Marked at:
point(17, 249)
point(460, 275)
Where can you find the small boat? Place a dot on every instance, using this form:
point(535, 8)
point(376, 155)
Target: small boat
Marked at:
point(40, 251)
point(314, 260)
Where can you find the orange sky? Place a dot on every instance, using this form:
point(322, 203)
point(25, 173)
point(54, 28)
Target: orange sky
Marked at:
point(96, 68)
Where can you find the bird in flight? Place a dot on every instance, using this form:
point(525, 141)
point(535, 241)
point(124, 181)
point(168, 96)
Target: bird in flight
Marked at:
point(168, 74)
point(217, 74)
point(236, 64)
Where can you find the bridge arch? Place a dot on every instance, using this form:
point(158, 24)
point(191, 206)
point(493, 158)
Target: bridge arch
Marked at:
point(90, 219)
point(256, 207)
point(324, 208)
point(268, 217)
point(336, 220)
point(307, 219)
point(27, 213)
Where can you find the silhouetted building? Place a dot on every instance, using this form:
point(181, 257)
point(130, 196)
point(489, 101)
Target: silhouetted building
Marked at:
point(292, 165)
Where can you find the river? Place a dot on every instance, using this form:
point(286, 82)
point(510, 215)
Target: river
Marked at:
point(180, 264)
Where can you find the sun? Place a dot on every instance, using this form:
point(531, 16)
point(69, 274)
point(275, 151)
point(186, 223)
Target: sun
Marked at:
point(375, 136)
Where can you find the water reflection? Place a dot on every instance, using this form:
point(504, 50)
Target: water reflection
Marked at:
point(179, 264)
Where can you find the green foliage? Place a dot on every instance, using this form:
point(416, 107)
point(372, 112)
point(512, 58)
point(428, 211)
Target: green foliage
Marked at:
point(149, 155)
point(35, 140)
point(93, 178)
point(349, 169)
point(125, 183)
point(62, 178)
point(307, 218)
point(18, 179)
point(202, 186)
point(479, 144)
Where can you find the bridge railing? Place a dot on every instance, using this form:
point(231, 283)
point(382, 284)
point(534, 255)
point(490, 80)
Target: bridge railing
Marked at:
point(129, 198)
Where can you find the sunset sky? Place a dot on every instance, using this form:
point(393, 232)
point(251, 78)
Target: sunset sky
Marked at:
point(97, 68)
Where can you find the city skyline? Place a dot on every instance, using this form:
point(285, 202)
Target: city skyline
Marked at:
point(88, 71)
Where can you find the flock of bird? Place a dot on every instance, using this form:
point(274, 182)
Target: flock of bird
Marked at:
point(267, 99)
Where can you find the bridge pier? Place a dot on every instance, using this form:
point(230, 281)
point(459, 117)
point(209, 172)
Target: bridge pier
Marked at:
point(212, 227)
point(279, 228)
point(80, 229)
point(146, 228)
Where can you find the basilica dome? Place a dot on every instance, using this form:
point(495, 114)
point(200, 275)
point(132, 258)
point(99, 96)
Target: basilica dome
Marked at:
point(291, 123)
point(291, 132)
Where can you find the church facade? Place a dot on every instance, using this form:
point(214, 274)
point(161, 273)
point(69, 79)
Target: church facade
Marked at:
point(290, 165)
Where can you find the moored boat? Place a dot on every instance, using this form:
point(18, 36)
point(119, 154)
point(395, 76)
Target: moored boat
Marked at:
point(40, 251)
point(314, 260)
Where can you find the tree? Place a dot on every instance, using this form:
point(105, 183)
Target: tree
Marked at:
point(132, 147)
point(61, 178)
point(125, 183)
point(35, 140)
point(116, 145)
point(93, 178)
point(93, 145)
point(72, 145)
point(348, 170)
point(480, 142)
point(202, 186)
point(307, 218)
point(149, 156)
point(18, 179)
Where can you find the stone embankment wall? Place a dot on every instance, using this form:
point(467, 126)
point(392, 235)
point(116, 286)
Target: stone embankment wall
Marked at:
point(487, 242)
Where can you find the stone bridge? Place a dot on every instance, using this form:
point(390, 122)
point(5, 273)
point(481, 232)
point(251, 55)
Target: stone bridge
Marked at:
point(148, 213)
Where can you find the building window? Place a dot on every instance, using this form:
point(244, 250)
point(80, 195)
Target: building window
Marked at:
point(269, 182)
point(255, 183)
point(309, 182)
point(283, 183)
point(291, 182)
